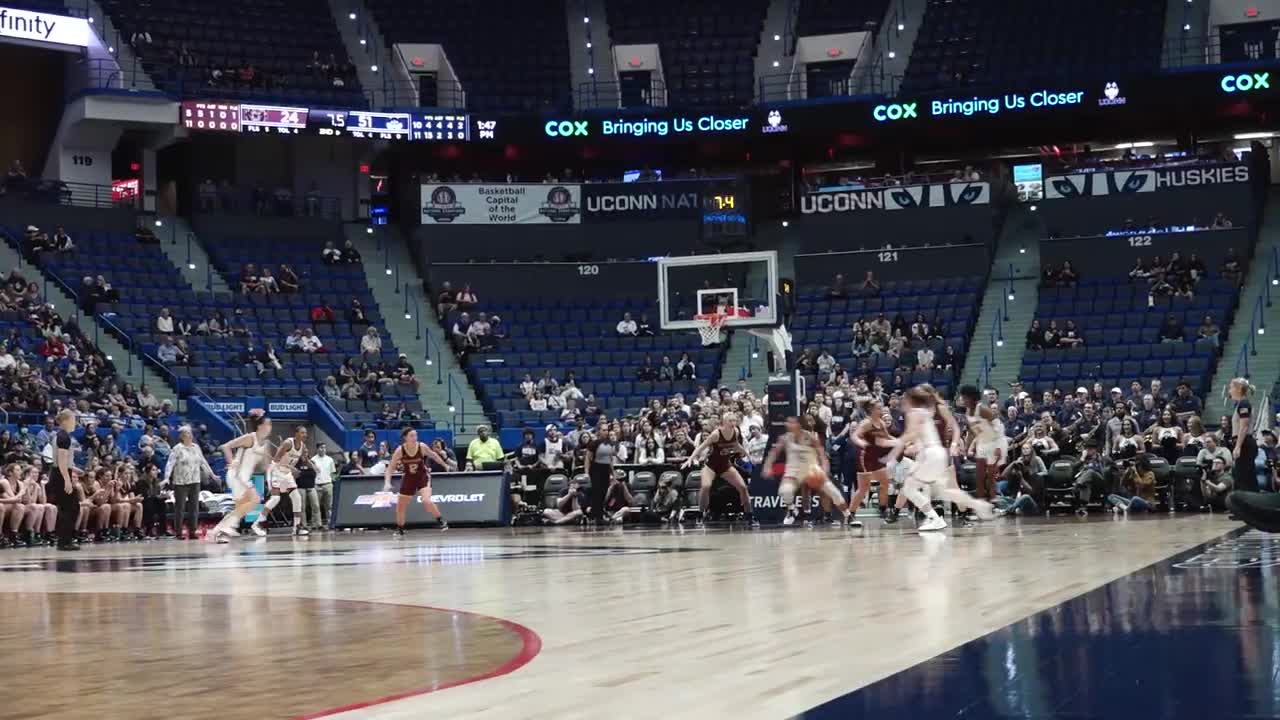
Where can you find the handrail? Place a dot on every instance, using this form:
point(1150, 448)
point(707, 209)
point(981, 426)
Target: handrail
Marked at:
point(459, 406)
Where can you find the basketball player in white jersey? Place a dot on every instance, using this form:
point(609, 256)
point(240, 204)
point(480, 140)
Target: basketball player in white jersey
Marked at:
point(929, 477)
point(806, 463)
point(989, 446)
point(244, 456)
point(282, 481)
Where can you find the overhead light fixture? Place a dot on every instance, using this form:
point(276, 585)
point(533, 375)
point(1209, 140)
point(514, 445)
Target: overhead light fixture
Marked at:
point(111, 49)
point(776, 37)
point(892, 54)
point(388, 271)
point(785, 223)
point(1186, 26)
point(1000, 342)
point(1033, 209)
point(1138, 144)
point(191, 266)
point(588, 44)
point(373, 68)
point(775, 63)
point(351, 16)
point(428, 362)
point(586, 19)
point(591, 71)
point(1253, 135)
point(1022, 250)
point(407, 316)
point(159, 222)
point(451, 409)
point(363, 41)
point(368, 231)
point(901, 27)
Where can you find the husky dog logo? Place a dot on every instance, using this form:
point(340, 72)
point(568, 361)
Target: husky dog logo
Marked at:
point(559, 206)
point(1111, 95)
point(443, 206)
point(774, 118)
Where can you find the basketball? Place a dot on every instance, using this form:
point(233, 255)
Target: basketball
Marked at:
point(816, 478)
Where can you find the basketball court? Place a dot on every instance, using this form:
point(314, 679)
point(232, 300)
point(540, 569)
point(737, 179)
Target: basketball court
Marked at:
point(1066, 618)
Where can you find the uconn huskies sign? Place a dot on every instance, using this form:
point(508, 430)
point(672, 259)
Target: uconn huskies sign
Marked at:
point(908, 197)
point(1126, 182)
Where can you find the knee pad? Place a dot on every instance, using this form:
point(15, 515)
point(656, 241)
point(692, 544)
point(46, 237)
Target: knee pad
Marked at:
point(787, 491)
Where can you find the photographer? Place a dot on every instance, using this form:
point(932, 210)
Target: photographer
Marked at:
point(1215, 484)
point(1092, 474)
point(1268, 461)
point(570, 506)
point(1139, 481)
point(666, 501)
point(1021, 481)
point(618, 500)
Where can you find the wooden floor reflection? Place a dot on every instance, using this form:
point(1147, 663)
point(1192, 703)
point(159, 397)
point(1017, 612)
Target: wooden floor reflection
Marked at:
point(117, 655)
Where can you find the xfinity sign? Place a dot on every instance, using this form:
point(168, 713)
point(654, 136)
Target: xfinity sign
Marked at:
point(43, 28)
point(1245, 82)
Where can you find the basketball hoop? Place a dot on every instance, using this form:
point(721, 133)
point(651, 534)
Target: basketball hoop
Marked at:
point(711, 327)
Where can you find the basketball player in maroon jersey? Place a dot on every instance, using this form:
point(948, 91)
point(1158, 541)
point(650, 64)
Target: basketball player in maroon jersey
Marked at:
point(873, 440)
point(720, 447)
point(412, 457)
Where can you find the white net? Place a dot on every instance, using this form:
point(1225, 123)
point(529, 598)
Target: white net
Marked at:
point(711, 328)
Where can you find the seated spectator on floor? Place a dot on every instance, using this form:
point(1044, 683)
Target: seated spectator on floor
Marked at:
point(466, 299)
point(570, 507)
point(371, 344)
point(288, 279)
point(1220, 221)
point(1171, 329)
point(1139, 482)
point(626, 326)
point(1212, 450)
point(167, 352)
point(350, 255)
point(1216, 483)
point(331, 255)
point(164, 322)
point(249, 279)
point(484, 449)
point(61, 241)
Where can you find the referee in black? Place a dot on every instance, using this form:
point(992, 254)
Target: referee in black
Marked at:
point(60, 490)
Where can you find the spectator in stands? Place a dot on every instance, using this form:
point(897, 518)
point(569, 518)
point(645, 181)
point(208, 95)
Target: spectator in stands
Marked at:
point(249, 281)
point(164, 322)
point(838, 290)
point(167, 353)
point(356, 314)
point(686, 369)
point(184, 327)
point(350, 255)
point(330, 388)
point(1067, 275)
point(466, 299)
point(1070, 337)
point(459, 332)
point(288, 279)
point(484, 449)
point(826, 364)
point(1220, 221)
point(1171, 330)
point(1216, 483)
point(478, 333)
point(267, 282)
point(293, 343)
point(16, 177)
point(1138, 480)
point(106, 292)
point(626, 326)
point(371, 344)
point(537, 402)
point(924, 358)
point(643, 328)
point(330, 255)
point(446, 300)
point(1208, 330)
point(310, 342)
point(870, 285)
point(1185, 405)
point(1035, 336)
point(1139, 271)
point(1232, 269)
point(145, 236)
point(61, 241)
point(267, 357)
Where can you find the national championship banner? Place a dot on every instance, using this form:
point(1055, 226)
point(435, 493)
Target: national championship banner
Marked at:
point(630, 202)
point(1126, 182)
point(904, 197)
point(501, 204)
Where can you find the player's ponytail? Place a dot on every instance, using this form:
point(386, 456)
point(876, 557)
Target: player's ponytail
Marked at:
point(254, 419)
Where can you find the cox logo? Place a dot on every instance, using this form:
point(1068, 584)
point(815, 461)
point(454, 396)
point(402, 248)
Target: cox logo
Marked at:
point(565, 128)
point(1246, 82)
point(894, 112)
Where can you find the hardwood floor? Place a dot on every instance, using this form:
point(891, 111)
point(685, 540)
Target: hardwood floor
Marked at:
point(695, 624)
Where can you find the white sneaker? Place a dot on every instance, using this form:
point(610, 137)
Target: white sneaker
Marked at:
point(220, 537)
point(850, 522)
point(259, 530)
point(985, 511)
point(932, 524)
point(299, 531)
point(228, 530)
point(789, 519)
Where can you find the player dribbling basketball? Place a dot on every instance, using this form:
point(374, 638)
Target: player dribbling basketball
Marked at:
point(412, 457)
point(720, 447)
point(806, 463)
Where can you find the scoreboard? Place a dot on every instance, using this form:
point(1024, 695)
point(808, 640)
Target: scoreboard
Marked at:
point(247, 119)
